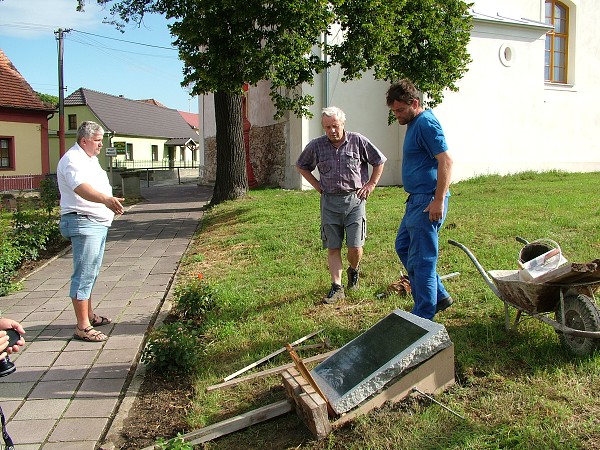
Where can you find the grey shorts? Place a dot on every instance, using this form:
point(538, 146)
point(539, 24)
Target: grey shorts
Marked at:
point(343, 214)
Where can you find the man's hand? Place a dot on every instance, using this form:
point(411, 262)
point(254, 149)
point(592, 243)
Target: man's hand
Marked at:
point(114, 204)
point(364, 192)
point(436, 210)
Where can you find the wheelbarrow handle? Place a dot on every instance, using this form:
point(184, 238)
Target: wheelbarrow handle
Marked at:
point(479, 267)
point(522, 240)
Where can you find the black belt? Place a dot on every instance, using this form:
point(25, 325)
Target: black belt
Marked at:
point(342, 193)
point(82, 215)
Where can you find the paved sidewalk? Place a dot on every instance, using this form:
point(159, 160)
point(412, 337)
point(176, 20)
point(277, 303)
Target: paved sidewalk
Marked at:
point(66, 393)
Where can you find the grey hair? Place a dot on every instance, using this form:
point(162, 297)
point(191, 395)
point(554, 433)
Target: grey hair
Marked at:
point(88, 129)
point(334, 111)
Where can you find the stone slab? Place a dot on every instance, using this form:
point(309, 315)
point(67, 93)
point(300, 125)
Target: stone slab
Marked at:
point(366, 364)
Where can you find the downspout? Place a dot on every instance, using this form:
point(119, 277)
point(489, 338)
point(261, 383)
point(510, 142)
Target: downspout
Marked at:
point(325, 74)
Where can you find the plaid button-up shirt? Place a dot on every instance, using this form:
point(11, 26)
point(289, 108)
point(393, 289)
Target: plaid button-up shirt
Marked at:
point(343, 169)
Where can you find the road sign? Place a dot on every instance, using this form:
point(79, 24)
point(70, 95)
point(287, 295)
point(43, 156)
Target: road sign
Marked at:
point(111, 151)
point(121, 147)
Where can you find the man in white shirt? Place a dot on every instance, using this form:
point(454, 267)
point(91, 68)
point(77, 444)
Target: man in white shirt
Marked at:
point(87, 211)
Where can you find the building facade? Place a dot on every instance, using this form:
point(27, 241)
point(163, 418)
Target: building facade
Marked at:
point(526, 103)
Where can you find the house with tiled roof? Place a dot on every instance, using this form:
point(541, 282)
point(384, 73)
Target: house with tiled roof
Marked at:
point(23, 125)
point(143, 133)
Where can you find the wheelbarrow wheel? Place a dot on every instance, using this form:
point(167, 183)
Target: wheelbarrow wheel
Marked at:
point(581, 313)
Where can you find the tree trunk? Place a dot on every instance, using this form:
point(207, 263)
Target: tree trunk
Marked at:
point(231, 181)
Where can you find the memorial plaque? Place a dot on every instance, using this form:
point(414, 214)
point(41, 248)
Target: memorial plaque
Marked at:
point(366, 364)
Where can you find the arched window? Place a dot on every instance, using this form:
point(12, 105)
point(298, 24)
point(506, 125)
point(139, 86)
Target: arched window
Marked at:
point(555, 67)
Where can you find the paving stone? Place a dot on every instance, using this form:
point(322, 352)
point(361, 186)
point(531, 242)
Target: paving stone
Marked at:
point(28, 359)
point(97, 387)
point(14, 390)
point(78, 429)
point(77, 445)
point(73, 372)
point(42, 409)
point(75, 358)
point(29, 431)
point(54, 389)
point(10, 406)
point(120, 370)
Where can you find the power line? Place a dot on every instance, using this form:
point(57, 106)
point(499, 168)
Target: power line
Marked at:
point(97, 44)
point(124, 40)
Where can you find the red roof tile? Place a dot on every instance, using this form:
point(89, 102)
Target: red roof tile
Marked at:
point(15, 92)
point(191, 118)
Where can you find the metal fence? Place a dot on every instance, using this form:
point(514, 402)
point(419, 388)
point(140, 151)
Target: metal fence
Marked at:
point(162, 164)
point(20, 182)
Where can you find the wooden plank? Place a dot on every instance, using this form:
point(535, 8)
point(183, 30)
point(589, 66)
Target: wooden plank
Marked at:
point(266, 358)
point(432, 376)
point(314, 414)
point(236, 423)
point(310, 407)
point(308, 377)
point(267, 372)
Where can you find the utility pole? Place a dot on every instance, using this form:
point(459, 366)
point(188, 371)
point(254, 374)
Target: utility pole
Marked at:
point(61, 92)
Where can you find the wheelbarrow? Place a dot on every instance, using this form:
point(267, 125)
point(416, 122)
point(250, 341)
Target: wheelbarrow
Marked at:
point(566, 292)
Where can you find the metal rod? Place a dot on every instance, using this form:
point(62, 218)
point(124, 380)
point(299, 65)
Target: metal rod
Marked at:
point(415, 389)
point(275, 353)
point(450, 275)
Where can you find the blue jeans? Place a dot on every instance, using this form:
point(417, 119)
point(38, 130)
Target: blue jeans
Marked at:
point(87, 240)
point(417, 248)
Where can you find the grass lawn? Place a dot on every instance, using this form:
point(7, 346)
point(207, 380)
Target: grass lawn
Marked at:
point(515, 390)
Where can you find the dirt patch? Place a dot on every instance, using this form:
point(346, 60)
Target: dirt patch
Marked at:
point(53, 249)
point(157, 412)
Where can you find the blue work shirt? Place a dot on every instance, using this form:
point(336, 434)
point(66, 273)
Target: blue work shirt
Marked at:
point(423, 141)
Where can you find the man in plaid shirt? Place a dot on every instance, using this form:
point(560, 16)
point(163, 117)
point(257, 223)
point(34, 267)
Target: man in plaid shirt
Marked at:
point(343, 159)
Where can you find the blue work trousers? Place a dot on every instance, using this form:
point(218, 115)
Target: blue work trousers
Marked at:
point(417, 248)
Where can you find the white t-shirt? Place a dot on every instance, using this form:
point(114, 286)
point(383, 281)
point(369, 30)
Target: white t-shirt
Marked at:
point(75, 168)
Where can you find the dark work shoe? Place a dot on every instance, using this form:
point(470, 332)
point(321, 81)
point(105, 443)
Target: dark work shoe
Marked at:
point(335, 293)
point(444, 304)
point(352, 278)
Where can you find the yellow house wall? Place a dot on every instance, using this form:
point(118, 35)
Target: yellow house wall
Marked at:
point(142, 147)
point(27, 141)
point(83, 113)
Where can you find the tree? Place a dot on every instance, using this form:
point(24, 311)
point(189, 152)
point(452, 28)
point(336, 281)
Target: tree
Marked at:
point(225, 44)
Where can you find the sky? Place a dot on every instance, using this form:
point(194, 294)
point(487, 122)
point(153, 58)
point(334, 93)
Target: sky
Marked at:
point(138, 64)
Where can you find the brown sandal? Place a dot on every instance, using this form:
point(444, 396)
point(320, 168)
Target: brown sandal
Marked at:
point(98, 321)
point(89, 334)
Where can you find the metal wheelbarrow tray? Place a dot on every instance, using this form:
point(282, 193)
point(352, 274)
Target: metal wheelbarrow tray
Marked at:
point(567, 291)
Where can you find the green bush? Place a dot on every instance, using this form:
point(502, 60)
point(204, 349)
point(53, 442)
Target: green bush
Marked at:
point(173, 347)
point(10, 260)
point(26, 232)
point(49, 195)
point(193, 300)
point(32, 231)
point(176, 443)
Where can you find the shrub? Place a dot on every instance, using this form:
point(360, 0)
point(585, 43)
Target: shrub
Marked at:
point(173, 347)
point(176, 443)
point(32, 232)
point(10, 260)
point(49, 195)
point(193, 300)
point(29, 232)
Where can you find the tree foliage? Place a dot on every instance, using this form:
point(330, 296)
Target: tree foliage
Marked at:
point(226, 44)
